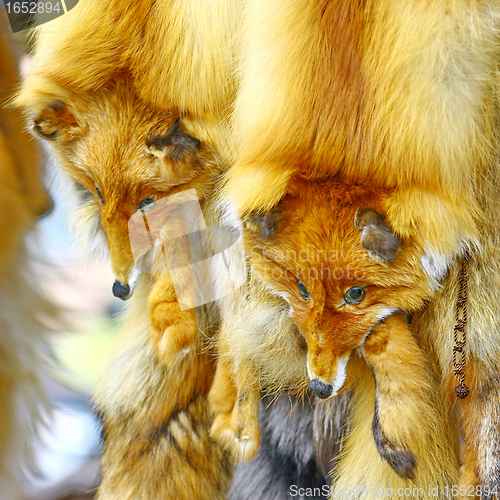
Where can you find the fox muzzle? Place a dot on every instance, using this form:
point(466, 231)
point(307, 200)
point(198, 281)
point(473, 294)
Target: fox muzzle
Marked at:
point(321, 389)
point(121, 291)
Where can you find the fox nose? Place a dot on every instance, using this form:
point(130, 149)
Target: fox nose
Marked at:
point(320, 388)
point(121, 291)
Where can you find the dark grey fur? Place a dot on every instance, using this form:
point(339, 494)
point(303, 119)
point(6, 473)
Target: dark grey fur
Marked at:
point(265, 225)
point(288, 454)
point(330, 427)
point(182, 144)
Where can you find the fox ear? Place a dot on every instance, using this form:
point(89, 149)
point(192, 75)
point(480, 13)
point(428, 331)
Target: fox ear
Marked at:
point(264, 225)
point(177, 152)
point(57, 123)
point(376, 236)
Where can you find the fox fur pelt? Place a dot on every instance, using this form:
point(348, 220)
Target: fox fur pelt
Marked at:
point(399, 95)
point(133, 100)
point(303, 263)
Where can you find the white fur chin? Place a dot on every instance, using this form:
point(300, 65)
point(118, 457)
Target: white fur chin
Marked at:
point(341, 375)
point(133, 279)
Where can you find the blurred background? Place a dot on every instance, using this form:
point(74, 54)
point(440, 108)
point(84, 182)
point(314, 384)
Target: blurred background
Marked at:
point(68, 444)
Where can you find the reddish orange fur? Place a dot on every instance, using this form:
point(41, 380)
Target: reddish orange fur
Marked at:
point(298, 251)
point(324, 252)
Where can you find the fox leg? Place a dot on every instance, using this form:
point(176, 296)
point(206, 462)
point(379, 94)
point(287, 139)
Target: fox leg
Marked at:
point(236, 405)
point(173, 331)
point(406, 407)
point(222, 399)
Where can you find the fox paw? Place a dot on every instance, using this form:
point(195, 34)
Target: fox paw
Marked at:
point(241, 440)
point(169, 349)
point(174, 335)
point(247, 444)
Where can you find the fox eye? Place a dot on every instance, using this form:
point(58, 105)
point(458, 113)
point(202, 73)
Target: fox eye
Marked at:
point(83, 193)
point(100, 195)
point(303, 290)
point(146, 204)
point(354, 295)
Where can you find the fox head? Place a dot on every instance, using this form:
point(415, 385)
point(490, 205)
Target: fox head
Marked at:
point(327, 249)
point(122, 155)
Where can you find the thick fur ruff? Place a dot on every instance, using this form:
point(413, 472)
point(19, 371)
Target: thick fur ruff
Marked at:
point(260, 350)
point(262, 319)
point(156, 420)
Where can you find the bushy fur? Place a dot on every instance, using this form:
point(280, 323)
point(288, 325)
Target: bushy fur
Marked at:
point(180, 56)
point(24, 354)
point(22, 333)
point(400, 96)
point(394, 93)
point(156, 420)
point(23, 197)
point(300, 438)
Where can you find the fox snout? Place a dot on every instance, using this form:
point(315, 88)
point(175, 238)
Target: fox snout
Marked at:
point(321, 389)
point(326, 384)
point(121, 291)
point(125, 269)
point(125, 283)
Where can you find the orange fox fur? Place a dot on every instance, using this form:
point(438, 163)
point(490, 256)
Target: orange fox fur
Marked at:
point(156, 420)
point(22, 199)
point(324, 251)
point(112, 179)
point(393, 93)
point(400, 95)
point(135, 106)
